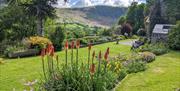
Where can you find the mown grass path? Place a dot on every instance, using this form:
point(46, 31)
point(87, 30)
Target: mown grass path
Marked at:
point(162, 75)
point(14, 71)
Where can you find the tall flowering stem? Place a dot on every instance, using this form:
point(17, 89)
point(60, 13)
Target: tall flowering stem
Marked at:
point(66, 50)
point(106, 59)
point(89, 52)
point(77, 48)
point(43, 53)
point(93, 56)
point(72, 47)
point(99, 63)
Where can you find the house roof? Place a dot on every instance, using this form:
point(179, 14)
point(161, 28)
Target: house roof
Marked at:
point(162, 28)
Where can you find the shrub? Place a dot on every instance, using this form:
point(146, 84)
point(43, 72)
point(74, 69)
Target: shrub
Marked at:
point(141, 32)
point(136, 66)
point(38, 42)
point(157, 49)
point(148, 56)
point(174, 37)
point(134, 37)
point(57, 38)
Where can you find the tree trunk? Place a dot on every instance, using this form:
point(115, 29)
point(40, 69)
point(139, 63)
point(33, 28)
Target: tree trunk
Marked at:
point(40, 30)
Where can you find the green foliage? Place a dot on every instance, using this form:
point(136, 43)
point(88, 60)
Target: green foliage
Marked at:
point(15, 24)
point(141, 32)
point(107, 32)
point(75, 77)
point(136, 66)
point(57, 38)
point(135, 16)
point(172, 10)
point(174, 37)
point(122, 20)
point(157, 49)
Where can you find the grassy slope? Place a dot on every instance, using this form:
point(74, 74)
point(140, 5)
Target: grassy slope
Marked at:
point(14, 71)
point(162, 75)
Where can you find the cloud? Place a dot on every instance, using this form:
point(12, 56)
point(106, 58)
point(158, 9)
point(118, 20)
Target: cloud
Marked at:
point(82, 3)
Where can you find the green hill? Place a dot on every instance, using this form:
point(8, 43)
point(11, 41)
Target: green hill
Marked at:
point(95, 16)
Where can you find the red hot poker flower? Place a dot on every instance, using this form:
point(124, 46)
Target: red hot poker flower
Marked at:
point(52, 50)
point(72, 45)
point(107, 50)
point(106, 54)
point(100, 55)
point(48, 48)
point(92, 69)
point(77, 43)
point(66, 45)
point(43, 52)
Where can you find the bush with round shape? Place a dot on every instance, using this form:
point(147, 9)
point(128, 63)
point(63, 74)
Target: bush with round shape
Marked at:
point(38, 42)
point(148, 56)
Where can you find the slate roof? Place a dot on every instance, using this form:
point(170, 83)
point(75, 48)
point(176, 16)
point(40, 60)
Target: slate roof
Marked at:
point(162, 28)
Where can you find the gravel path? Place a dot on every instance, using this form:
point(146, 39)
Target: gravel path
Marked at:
point(127, 42)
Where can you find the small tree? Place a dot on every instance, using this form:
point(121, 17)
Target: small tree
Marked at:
point(174, 37)
point(57, 38)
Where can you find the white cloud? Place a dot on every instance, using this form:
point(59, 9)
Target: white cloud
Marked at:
point(71, 3)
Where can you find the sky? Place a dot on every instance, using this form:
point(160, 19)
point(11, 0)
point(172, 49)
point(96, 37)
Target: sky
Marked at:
point(84, 3)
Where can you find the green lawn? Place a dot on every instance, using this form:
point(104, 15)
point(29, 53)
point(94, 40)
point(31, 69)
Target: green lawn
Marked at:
point(162, 75)
point(14, 71)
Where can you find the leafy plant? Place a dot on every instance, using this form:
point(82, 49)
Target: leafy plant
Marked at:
point(37, 41)
point(93, 76)
point(157, 49)
point(136, 66)
point(57, 38)
point(174, 37)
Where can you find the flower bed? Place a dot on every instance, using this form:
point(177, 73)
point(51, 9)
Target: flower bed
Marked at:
point(76, 75)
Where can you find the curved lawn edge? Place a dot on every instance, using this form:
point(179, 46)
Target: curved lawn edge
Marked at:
point(162, 75)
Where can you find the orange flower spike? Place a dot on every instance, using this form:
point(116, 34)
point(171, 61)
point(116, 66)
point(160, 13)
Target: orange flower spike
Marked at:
point(106, 54)
point(92, 68)
point(48, 48)
point(72, 45)
point(77, 43)
point(107, 50)
point(52, 50)
point(43, 52)
point(66, 45)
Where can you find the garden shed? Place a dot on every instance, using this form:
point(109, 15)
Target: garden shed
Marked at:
point(160, 32)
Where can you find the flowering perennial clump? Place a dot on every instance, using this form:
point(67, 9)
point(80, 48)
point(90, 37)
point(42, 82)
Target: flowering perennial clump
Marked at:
point(71, 76)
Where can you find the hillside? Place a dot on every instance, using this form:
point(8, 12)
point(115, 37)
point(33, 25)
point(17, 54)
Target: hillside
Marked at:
point(94, 16)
